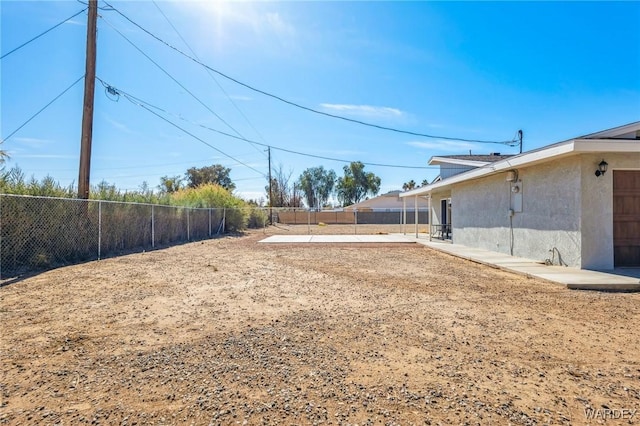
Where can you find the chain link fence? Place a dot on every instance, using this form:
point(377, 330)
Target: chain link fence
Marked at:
point(39, 233)
point(298, 216)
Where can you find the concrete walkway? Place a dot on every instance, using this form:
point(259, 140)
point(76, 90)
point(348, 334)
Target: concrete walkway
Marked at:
point(579, 279)
point(582, 279)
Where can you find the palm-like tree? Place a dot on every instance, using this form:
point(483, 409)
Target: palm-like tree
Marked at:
point(407, 186)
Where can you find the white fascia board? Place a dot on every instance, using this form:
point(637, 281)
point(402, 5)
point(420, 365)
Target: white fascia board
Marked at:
point(460, 162)
point(612, 133)
point(552, 152)
point(607, 145)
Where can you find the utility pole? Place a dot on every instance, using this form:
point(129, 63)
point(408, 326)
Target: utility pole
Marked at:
point(87, 109)
point(270, 189)
point(520, 137)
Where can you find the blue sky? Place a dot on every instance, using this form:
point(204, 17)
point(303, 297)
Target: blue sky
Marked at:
point(470, 70)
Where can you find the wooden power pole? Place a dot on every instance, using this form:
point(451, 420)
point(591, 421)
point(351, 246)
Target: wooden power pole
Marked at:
point(270, 189)
point(87, 110)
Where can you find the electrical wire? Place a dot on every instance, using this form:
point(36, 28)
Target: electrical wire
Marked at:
point(41, 34)
point(213, 78)
point(294, 104)
point(173, 78)
point(147, 106)
point(135, 101)
point(43, 108)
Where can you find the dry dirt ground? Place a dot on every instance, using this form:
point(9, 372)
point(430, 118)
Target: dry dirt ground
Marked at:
point(228, 331)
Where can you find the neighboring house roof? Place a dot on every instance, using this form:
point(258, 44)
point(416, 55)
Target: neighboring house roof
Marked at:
point(468, 160)
point(620, 139)
point(390, 200)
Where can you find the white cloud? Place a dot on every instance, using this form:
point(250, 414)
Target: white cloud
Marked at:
point(59, 156)
point(32, 142)
point(72, 22)
point(242, 23)
point(443, 145)
point(364, 110)
point(275, 23)
point(118, 125)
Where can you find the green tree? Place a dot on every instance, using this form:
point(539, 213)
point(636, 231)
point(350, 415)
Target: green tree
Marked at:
point(216, 174)
point(171, 184)
point(3, 157)
point(317, 185)
point(407, 186)
point(355, 185)
point(424, 182)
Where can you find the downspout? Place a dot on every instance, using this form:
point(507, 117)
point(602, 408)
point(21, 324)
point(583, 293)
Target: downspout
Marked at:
point(430, 218)
point(415, 211)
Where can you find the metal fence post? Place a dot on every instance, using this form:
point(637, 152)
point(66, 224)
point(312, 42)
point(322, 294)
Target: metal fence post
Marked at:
point(99, 226)
point(309, 221)
point(153, 227)
point(224, 219)
point(0, 236)
point(188, 223)
point(209, 223)
point(355, 226)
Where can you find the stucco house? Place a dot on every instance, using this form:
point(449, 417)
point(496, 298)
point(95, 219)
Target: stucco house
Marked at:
point(389, 201)
point(576, 202)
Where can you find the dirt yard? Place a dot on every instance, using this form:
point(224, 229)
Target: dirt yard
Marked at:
point(229, 331)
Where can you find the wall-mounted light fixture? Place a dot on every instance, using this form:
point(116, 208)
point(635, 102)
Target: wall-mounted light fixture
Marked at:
point(602, 168)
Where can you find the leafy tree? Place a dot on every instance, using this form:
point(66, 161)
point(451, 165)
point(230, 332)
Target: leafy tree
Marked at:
point(171, 184)
point(407, 186)
point(425, 182)
point(284, 195)
point(317, 185)
point(216, 174)
point(355, 185)
point(3, 157)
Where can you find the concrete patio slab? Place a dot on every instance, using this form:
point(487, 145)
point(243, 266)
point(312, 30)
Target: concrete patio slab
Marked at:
point(301, 239)
point(578, 279)
point(572, 278)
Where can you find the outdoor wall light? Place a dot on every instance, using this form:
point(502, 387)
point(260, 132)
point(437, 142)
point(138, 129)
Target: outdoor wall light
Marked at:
point(602, 168)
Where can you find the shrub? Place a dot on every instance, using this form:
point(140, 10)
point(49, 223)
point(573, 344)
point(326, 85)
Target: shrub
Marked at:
point(214, 196)
point(257, 218)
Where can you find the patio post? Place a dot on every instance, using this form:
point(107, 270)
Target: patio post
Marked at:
point(404, 215)
point(415, 214)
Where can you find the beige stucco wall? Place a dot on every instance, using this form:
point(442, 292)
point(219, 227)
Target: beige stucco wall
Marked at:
point(550, 217)
point(564, 205)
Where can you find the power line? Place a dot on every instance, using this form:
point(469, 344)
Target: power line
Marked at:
point(41, 34)
point(136, 102)
point(294, 104)
point(43, 108)
point(212, 77)
point(173, 78)
point(139, 102)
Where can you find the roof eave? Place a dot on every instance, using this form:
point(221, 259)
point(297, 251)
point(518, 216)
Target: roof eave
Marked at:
point(549, 153)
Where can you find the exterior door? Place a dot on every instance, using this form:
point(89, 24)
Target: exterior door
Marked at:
point(626, 218)
point(443, 212)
